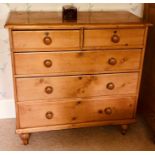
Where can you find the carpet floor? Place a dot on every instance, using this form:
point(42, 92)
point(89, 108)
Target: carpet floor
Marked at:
point(95, 138)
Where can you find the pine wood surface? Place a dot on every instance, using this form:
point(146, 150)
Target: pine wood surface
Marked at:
point(77, 62)
point(57, 65)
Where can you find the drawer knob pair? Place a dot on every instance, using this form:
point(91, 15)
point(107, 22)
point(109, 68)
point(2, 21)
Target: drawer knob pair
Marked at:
point(107, 111)
point(49, 89)
point(115, 38)
point(112, 61)
point(110, 86)
point(48, 63)
point(49, 115)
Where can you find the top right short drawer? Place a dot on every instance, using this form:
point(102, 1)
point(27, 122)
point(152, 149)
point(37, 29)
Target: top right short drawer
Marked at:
point(114, 38)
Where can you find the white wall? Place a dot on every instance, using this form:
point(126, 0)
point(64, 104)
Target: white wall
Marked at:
point(7, 109)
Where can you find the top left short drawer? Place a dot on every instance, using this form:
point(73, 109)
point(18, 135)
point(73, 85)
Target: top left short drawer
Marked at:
point(46, 40)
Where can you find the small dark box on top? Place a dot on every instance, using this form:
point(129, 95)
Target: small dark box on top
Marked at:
point(69, 13)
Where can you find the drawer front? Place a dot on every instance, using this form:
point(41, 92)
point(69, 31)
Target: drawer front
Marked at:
point(113, 38)
point(76, 86)
point(60, 63)
point(42, 40)
point(74, 111)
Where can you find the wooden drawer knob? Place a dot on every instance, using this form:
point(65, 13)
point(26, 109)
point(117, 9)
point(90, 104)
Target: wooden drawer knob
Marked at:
point(108, 111)
point(49, 115)
point(115, 38)
point(112, 61)
point(49, 89)
point(48, 63)
point(47, 40)
point(110, 86)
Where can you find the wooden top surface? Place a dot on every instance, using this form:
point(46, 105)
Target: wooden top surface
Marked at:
point(27, 19)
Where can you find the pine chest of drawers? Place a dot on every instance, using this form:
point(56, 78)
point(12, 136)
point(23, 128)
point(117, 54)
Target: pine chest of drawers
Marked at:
point(75, 74)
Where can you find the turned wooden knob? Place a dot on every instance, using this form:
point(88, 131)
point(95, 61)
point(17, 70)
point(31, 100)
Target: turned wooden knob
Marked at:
point(49, 89)
point(48, 63)
point(110, 86)
point(49, 115)
point(47, 40)
point(115, 38)
point(108, 111)
point(112, 61)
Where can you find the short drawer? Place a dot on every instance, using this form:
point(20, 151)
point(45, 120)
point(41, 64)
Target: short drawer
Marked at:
point(46, 40)
point(59, 63)
point(75, 86)
point(112, 38)
point(35, 114)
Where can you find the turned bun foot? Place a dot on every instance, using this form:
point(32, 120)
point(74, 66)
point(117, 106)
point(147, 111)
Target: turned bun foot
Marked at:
point(25, 138)
point(124, 129)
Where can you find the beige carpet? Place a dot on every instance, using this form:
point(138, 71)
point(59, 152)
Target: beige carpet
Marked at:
point(95, 138)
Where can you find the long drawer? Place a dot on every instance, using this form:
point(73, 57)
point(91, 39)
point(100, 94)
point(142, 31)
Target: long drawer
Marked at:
point(44, 88)
point(79, 62)
point(45, 40)
point(113, 38)
point(35, 114)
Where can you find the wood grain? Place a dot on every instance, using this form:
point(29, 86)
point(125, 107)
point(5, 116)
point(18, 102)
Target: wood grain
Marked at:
point(74, 111)
point(29, 20)
point(76, 74)
point(80, 62)
point(22, 40)
point(103, 38)
point(76, 125)
point(76, 86)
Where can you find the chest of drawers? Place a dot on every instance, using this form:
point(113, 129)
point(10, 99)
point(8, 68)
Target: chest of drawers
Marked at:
point(75, 74)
